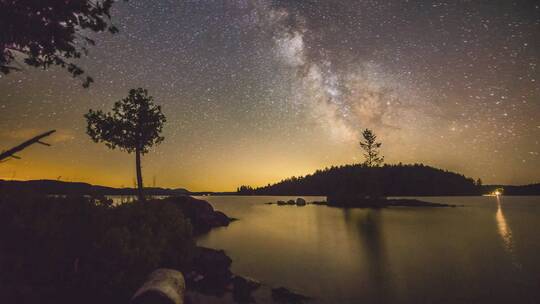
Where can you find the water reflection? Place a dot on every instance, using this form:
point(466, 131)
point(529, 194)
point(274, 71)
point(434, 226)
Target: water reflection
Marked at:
point(505, 232)
point(366, 225)
point(394, 255)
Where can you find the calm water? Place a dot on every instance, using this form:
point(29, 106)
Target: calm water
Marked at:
point(485, 252)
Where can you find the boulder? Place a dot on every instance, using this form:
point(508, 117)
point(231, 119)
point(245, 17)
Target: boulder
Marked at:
point(291, 202)
point(281, 203)
point(201, 214)
point(163, 286)
point(211, 262)
point(211, 272)
point(219, 219)
point(300, 202)
point(283, 295)
point(243, 287)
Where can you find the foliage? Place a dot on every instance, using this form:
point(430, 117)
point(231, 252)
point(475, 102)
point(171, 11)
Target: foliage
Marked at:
point(134, 124)
point(388, 180)
point(244, 189)
point(51, 32)
point(79, 250)
point(371, 148)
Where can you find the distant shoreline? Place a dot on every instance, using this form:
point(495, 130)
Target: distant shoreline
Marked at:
point(54, 187)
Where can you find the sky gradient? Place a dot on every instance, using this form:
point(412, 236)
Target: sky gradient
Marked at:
point(258, 90)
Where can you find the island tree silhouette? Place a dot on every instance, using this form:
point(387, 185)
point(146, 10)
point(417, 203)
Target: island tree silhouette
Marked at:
point(371, 149)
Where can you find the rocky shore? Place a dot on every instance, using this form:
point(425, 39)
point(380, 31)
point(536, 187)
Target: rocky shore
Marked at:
point(210, 274)
point(356, 202)
point(201, 214)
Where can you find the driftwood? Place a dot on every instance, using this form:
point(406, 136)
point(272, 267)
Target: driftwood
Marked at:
point(37, 139)
point(163, 286)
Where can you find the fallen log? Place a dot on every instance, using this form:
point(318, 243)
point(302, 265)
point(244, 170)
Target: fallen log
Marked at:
point(165, 286)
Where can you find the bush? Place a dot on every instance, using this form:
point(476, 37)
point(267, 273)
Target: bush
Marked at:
point(79, 250)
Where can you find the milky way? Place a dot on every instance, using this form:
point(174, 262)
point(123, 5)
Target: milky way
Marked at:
point(259, 90)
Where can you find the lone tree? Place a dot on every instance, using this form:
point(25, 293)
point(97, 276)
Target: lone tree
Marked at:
point(371, 149)
point(50, 32)
point(134, 125)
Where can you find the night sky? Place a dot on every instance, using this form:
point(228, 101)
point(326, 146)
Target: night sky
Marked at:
point(258, 90)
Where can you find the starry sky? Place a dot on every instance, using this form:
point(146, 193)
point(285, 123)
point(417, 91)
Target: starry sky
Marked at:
point(259, 90)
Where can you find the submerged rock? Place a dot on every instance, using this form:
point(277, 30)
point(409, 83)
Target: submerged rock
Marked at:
point(414, 203)
point(362, 201)
point(283, 295)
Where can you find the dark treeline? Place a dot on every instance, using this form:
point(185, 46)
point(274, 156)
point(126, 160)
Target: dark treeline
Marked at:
point(532, 189)
point(388, 180)
point(77, 188)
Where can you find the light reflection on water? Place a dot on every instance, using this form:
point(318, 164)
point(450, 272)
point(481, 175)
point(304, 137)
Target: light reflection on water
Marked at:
point(505, 232)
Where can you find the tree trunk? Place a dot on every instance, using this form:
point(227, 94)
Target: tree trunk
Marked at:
point(140, 191)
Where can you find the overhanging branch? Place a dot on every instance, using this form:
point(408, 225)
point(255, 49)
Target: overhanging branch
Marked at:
point(24, 145)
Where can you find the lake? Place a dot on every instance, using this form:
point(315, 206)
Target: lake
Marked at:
point(487, 251)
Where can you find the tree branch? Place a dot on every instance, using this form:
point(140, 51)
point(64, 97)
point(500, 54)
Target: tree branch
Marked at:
point(24, 145)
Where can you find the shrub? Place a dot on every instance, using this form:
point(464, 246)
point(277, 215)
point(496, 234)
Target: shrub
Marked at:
point(79, 250)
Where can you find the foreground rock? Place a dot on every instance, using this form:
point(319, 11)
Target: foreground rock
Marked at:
point(165, 286)
point(211, 275)
point(211, 272)
point(283, 295)
point(243, 288)
point(202, 215)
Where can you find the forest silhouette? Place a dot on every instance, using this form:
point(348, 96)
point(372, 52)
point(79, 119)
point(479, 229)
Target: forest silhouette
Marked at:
point(387, 180)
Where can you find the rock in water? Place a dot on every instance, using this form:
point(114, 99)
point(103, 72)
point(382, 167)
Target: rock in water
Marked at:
point(163, 286)
point(291, 202)
point(281, 203)
point(300, 202)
